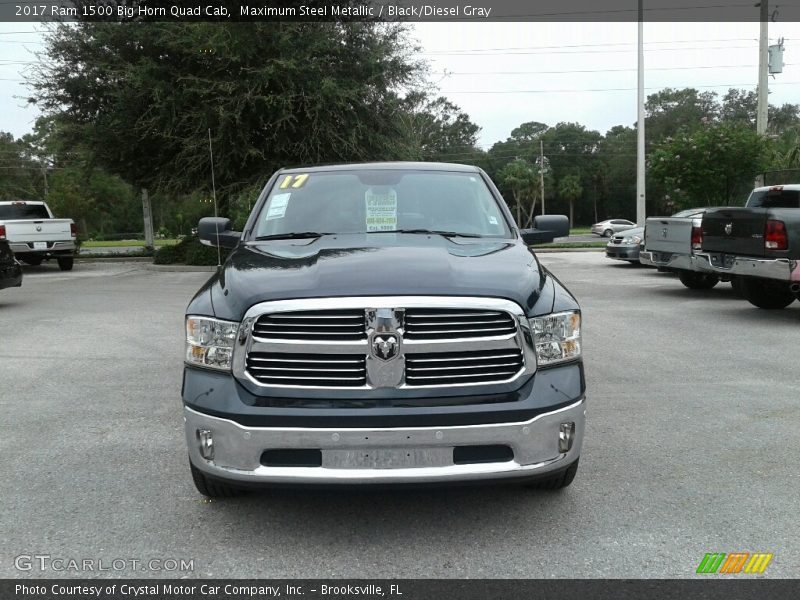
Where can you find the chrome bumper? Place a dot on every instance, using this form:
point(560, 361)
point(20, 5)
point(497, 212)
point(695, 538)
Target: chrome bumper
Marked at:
point(783, 269)
point(238, 449)
point(24, 248)
point(676, 261)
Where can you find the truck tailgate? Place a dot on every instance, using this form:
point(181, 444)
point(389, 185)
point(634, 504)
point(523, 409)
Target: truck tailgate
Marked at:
point(669, 234)
point(735, 231)
point(44, 230)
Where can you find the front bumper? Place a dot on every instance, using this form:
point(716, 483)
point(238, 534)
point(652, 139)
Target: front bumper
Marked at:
point(782, 269)
point(622, 252)
point(238, 450)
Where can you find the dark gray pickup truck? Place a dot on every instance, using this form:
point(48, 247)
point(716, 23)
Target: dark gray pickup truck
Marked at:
point(759, 244)
point(382, 323)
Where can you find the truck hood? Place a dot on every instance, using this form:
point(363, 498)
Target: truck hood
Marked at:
point(375, 265)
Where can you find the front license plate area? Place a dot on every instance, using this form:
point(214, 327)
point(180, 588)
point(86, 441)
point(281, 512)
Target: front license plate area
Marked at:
point(387, 458)
point(40, 245)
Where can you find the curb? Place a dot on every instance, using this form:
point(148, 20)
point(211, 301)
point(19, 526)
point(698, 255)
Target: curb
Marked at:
point(549, 250)
point(122, 258)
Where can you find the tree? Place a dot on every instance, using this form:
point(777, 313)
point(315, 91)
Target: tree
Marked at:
point(523, 179)
point(436, 129)
point(142, 99)
point(669, 110)
point(569, 188)
point(713, 165)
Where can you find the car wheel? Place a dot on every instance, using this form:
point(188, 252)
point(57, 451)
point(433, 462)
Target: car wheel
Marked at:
point(558, 480)
point(32, 260)
point(65, 263)
point(212, 488)
point(608, 233)
point(767, 294)
point(698, 281)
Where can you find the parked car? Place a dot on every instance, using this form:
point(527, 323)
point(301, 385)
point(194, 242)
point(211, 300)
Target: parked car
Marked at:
point(671, 244)
point(382, 323)
point(611, 226)
point(35, 235)
point(626, 245)
point(758, 244)
point(10, 269)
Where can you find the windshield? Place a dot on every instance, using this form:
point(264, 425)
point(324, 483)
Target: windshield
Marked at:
point(22, 211)
point(776, 198)
point(373, 201)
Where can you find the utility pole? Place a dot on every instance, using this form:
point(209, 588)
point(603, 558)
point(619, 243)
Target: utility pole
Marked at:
point(763, 75)
point(541, 172)
point(148, 222)
point(640, 181)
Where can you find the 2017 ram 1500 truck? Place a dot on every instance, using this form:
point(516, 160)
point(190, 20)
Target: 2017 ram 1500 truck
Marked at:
point(35, 235)
point(382, 323)
point(759, 244)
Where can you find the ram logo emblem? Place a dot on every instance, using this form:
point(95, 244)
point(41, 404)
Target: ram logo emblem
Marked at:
point(384, 347)
point(728, 228)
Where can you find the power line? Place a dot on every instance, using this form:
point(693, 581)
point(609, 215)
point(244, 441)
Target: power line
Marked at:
point(597, 45)
point(597, 70)
point(729, 85)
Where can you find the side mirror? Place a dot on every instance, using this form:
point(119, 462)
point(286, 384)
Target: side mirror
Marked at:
point(546, 229)
point(216, 231)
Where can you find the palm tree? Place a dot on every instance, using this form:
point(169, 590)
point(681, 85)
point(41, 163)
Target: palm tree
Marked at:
point(570, 189)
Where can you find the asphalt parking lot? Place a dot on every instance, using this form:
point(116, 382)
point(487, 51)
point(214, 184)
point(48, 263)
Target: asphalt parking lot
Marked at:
point(691, 446)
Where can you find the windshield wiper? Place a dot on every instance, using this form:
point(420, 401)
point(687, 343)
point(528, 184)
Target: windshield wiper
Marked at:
point(431, 231)
point(292, 236)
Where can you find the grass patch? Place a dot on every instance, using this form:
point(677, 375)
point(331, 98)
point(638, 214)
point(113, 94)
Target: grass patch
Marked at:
point(580, 231)
point(126, 243)
point(572, 245)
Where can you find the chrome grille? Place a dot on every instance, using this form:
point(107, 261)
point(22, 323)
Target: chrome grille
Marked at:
point(479, 366)
point(327, 370)
point(451, 323)
point(339, 343)
point(312, 325)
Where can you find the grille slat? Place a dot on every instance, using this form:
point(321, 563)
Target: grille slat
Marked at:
point(335, 325)
point(432, 323)
point(308, 370)
point(462, 367)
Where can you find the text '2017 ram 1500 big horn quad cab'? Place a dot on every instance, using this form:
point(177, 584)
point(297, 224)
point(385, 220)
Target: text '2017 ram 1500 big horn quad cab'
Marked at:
point(377, 324)
point(758, 245)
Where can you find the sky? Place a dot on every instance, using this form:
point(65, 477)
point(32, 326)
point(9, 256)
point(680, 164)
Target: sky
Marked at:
point(504, 74)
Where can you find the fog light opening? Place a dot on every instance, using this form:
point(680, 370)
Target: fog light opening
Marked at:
point(206, 440)
point(566, 435)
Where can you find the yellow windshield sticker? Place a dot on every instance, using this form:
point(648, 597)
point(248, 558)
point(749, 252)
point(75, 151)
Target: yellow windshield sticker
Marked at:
point(294, 181)
point(381, 209)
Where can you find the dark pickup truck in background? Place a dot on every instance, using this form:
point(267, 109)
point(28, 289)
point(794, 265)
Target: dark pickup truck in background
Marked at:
point(759, 244)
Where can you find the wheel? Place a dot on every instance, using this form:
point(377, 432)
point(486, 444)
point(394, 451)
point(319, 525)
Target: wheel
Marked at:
point(736, 284)
point(32, 260)
point(558, 480)
point(608, 233)
point(698, 281)
point(65, 263)
point(211, 487)
point(765, 293)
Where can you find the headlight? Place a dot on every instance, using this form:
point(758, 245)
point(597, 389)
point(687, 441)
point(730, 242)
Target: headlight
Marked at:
point(557, 337)
point(209, 342)
point(636, 239)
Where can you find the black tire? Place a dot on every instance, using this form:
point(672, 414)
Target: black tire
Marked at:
point(766, 294)
point(608, 233)
point(558, 480)
point(212, 488)
point(65, 263)
point(32, 260)
point(736, 284)
point(698, 281)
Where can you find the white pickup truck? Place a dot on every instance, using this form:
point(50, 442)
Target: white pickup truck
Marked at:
point(35, 235)
point(671, 244)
